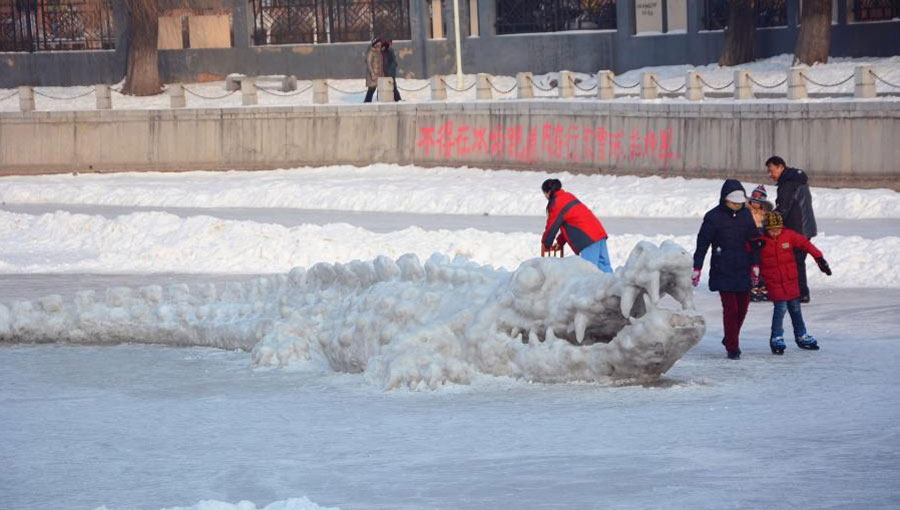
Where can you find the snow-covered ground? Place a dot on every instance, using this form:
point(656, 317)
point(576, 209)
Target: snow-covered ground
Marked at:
point(141, 427)
point(768, 72)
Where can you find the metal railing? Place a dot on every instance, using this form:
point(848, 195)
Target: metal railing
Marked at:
point(769, 13)
point(530, 16)
point(328, 21)
point(56, 25)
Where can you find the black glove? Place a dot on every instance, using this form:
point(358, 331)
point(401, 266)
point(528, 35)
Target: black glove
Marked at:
point(823, 265)
point(757, 244)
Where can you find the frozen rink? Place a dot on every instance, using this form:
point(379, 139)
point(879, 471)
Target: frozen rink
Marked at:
point(142, 427)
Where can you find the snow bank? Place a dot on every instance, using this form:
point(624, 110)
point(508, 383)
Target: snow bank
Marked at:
point(393, 188)
point(404, 324)
point(287, 504)
point(162, 242)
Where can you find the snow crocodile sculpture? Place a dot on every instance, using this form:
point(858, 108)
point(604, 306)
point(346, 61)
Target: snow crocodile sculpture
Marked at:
point(402, 323)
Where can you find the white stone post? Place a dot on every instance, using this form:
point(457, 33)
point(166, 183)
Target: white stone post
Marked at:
point(605, 88)
point(743, 89)
point(104, 101)
point(796, 84)
point(385, 89)
point(566, 85)
point(648, 86)
point(864, 82)
point(320, 92)
point(248, 92)
point(693, 89)
point(524, 89)
point(289, 83)
point(483, 87)
point(26, 99)
point(438, 88)
point(176, 96)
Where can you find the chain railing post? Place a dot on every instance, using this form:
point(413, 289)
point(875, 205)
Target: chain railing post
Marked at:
point(693, 89)
point(438, 88)
point(176, 96)
point(605, 88)
point(320, 92)
point(233, 81)
point(289, 83)
point(742, 87)
point(863, 82)
point(104, 100)
point(248, 92)
point(796, 84)
point(385, 89)
point(566, 85)
point(524, 89)
point(483, 87)
point(26, 98)
point(648, 86)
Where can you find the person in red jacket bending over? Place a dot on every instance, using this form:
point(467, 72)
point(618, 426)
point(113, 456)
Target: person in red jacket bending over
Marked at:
point(575, 224)
point(778, 267)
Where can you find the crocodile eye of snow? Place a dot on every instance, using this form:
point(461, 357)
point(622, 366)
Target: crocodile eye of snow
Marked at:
point(529, 278)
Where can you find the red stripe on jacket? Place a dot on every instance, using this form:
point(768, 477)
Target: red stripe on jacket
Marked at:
point(575, 223)
point(778, 267)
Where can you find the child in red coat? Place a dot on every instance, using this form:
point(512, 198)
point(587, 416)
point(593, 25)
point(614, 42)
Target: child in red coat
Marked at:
point(778, 267)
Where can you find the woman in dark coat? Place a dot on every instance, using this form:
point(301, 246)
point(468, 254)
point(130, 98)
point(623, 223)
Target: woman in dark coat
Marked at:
point(390, 65)
point(729, 228)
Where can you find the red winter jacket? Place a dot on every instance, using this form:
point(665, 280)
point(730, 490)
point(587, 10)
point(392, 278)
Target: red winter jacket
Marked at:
point(575, 223)
point(778, 267)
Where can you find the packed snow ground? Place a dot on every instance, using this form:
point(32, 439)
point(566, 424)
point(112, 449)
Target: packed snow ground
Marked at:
point(410, 189)
point(768, 71)
point(145, 427)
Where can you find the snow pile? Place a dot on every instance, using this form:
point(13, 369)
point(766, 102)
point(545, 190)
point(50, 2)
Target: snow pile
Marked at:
point(405, 324)
point(162, 242)
point(394, 188)
point(288, 504)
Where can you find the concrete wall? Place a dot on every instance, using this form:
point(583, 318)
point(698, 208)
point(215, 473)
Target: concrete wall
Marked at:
point(852, 142)
point(586, 51)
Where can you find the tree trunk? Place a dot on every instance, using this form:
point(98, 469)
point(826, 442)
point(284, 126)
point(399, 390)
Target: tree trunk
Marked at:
point(814, 40)
point(740, 34)
point(142, 74)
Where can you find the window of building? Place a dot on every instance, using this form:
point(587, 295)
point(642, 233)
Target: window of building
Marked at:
point(56, 25)
point(328, 21)
point(528, 16)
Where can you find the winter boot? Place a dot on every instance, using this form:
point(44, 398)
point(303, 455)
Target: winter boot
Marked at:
point(777, 345)
point(734, 354)
point(807, 342)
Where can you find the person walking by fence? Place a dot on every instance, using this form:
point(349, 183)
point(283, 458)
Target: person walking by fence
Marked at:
point(390, 65)
point(374, 68)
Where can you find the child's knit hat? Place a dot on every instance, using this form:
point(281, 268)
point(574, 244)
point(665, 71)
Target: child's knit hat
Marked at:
point(759, 194)
point(773, 220)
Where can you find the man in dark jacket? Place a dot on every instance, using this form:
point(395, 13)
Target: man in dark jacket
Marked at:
point(390, 65)
point(794, 202)
point(729, 228)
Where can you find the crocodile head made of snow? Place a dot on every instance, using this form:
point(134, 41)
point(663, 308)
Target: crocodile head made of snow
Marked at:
point(406, 324)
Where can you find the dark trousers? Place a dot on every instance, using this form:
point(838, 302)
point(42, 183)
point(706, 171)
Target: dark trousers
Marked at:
point(734, 310)
point(396, 91)
point(800, 257)
point(369, 93)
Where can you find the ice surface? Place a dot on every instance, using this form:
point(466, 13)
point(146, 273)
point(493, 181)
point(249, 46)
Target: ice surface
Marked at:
point(393, 188)
point(405, 324)
point(289, 504)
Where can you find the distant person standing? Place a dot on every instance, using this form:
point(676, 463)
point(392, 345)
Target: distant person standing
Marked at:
point(794, 203)
point(390, 65)
point(374, 68)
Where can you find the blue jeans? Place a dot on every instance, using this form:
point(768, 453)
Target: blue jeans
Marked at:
point(598, 255)
point(792, 307)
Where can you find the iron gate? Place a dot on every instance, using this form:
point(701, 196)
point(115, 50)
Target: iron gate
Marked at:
point(769, 13)
point(49, 25)
point(876, 10)
point(528, 16)
point(328, 21)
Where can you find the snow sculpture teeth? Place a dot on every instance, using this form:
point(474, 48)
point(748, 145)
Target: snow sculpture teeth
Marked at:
point(405, 324)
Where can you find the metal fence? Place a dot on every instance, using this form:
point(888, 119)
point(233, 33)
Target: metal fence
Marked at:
point(528, 16)
point(769, 13)
point(876, 10)
point(328, 21)
point(49, 25)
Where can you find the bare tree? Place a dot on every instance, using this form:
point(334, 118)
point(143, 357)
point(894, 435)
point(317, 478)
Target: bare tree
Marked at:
point(814, 40)
point(142, 75)
point(740, 34)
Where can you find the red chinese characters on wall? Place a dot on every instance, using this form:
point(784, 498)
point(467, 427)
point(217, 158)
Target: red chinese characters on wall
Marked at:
point(554, 142)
